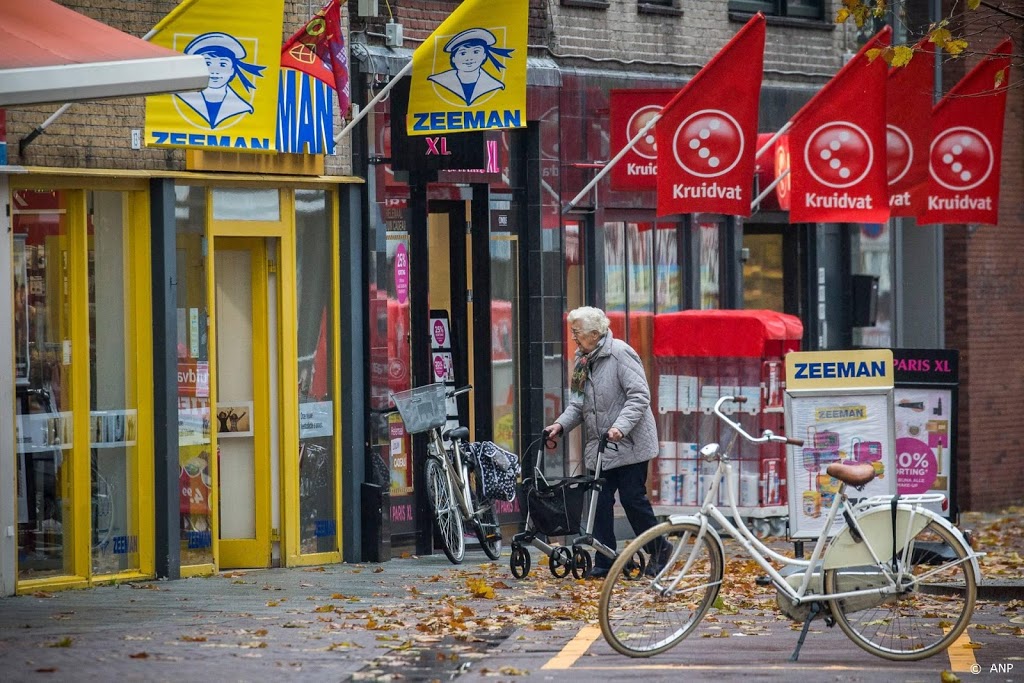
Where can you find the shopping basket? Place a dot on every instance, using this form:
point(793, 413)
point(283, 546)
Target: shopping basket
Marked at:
point(422, 408)
point(556, 508)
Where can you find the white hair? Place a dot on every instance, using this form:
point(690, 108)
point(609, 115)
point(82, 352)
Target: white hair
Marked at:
point(590, 319)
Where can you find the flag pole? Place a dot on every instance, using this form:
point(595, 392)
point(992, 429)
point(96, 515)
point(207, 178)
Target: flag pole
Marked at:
point(614, 160)
point(41, 128)
point(771, 141)
point(372, 103)
point(764, 148)
point(764, 193)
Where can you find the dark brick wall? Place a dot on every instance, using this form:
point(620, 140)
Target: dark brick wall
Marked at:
point(984, 305)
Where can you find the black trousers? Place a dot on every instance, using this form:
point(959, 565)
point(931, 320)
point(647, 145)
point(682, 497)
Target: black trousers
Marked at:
point(630, 481)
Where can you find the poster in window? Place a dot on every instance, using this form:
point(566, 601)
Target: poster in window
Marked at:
point(21, 312)
point(234, 419)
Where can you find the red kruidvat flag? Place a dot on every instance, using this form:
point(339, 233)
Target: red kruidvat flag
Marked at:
point(837, 145)
point(707, 135)
point(319, 49)
point(908, 130)
point(967, 145)
point(629, 112)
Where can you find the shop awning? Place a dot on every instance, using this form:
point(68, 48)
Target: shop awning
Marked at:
point(49, 53)
point(747, 333)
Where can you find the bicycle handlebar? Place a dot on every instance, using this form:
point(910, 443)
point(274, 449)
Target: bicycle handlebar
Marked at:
point(452, 393)
point(766, 436)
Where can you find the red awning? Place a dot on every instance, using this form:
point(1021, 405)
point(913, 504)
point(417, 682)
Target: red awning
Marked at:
point(49, 53)
point(726, 334)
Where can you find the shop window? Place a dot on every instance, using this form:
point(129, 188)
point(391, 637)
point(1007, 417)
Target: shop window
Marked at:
point(246, 204)
point(74, 267)
point(763, 283)
point(318, 529)
point(668, 294)
point(113, 417)
point(504, 269)
point(710, 287)
point(802, 9)
point(871, 255)
point(671, 7)
point(43, 375)
point(390, 289)
point(194, 448)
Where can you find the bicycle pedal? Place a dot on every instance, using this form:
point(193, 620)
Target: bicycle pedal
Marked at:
point(763, 580)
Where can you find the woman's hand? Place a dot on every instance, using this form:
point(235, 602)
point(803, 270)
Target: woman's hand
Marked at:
point(615, 435)
point(553, 430)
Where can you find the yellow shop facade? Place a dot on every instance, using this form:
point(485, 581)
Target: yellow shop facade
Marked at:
point(172, 379)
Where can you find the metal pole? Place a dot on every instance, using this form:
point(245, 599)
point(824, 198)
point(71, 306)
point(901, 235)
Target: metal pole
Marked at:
point(614, 160)
point(771, 141)
point(370, 105)
point(764, 193)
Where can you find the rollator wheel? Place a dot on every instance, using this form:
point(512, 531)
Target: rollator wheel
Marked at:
point(581, 562)
point(635, 566)
point(560, 562)
point(519, 561)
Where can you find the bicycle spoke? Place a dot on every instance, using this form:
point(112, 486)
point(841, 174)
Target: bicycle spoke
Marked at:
point(645, 615)
point(933, 607)
point(446, 514)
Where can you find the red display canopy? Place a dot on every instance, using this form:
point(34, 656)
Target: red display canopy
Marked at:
point(726, 334)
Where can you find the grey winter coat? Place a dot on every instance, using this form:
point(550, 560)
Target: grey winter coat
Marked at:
point(616, 394)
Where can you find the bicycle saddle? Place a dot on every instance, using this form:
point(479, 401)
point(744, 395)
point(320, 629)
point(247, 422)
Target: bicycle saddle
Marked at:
point(459, 434)
point(856, 474)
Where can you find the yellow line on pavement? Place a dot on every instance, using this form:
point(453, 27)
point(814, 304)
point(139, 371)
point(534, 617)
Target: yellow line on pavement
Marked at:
point(961, 655)
point(574, 649)
point(631, 665)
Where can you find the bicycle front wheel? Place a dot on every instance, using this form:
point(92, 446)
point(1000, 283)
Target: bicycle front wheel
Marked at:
point(488, 531)
point(447, 517)
point(646, 615)
point(929, 613)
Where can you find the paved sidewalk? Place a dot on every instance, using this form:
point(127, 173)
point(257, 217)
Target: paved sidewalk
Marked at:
point(325, 622)
point(420, 616)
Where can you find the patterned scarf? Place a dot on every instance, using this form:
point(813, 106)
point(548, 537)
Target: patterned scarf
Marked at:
point(581, 372)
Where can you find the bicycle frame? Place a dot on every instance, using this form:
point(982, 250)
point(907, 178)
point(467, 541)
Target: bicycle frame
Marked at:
point(894, 578)
point(458, 480)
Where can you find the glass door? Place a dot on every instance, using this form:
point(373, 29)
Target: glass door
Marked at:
point(245, 351)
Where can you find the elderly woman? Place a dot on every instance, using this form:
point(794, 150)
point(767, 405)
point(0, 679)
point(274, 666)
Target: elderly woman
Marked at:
point(610, 395)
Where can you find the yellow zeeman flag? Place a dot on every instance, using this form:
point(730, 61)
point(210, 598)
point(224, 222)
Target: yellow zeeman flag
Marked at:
point(241, 42)
point(470, 73)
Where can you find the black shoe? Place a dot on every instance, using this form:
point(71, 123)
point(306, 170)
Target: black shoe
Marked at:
point(657, 562)
point(596, 573)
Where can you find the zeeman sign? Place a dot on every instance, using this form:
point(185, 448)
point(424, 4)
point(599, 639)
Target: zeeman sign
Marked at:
point(839, 369)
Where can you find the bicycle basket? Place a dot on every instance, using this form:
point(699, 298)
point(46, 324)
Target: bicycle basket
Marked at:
point(556, 509)
point(422, 408)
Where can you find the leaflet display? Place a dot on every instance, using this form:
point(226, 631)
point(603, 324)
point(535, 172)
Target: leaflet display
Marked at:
point(841, 404)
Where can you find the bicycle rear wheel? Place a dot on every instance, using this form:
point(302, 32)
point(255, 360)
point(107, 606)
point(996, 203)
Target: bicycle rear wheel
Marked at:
point(488, 531)
point(927, 617)
point(641, 616)
point(447, 517)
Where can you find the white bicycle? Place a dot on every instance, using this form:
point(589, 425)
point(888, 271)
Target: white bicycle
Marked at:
point(898, 579)
point(455, 494)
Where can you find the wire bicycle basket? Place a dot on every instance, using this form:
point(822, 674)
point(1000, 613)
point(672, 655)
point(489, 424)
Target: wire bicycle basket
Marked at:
point(422, 408)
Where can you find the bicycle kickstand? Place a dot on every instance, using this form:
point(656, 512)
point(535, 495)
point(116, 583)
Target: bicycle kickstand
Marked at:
point(815, 610)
